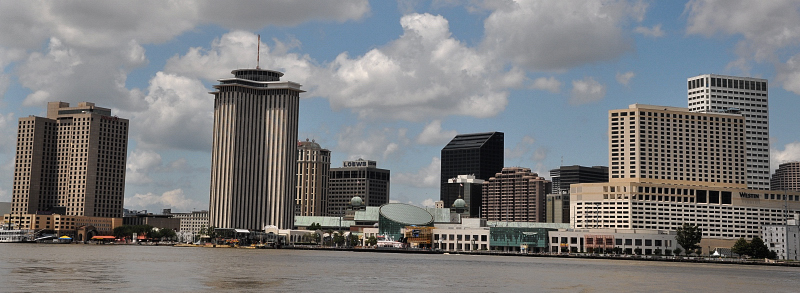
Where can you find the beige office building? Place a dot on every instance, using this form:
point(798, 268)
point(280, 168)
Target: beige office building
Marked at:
point(313, 165)
point(712, 93)
point(670, 166)
point(254, 151)
point(71, 162)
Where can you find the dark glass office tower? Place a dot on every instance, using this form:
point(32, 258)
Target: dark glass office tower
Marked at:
point(478, 154)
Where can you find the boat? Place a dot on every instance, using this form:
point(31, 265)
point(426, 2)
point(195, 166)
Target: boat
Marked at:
point(10, 235)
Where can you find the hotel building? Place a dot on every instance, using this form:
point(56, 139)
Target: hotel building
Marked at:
point(670, 166)
point(254, 151)
point(313, 166)
point(516, 195)
point(711, 93)
point(71, 162)
point(786, 177)
point(361, 178)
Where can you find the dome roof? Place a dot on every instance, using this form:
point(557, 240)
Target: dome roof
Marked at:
point(459, 204)
point(356, 201)
point(308, 144)
point(405, 214)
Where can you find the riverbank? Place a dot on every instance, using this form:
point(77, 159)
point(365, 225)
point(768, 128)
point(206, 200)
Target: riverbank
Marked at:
point(677, 259)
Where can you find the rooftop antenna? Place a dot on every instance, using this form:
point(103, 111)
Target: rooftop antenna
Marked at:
point(258, 54)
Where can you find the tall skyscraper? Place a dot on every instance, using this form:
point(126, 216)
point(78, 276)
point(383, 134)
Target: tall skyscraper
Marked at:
point(360, 178)
point(476, 154)
point(516, 195)
point(711, 93)
point(254, 152)
point(71, 162)
point(313, 166)
point(786, 177)
point(667, 144)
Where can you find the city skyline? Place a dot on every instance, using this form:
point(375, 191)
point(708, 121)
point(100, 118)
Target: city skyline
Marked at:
point(391, 82)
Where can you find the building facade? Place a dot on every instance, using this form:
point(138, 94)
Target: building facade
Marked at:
point(72, 162)
point(784, 240)
point(65, 224)
point(190, 222)
point(254, 151)
point(476, 154)
point(562, 178)
point(313, 168)
point(668, 144)
point(624, 241)
point(565, 176)
point(361, 178)
point(786, 177)
point(670, 166)
point(469, 189)
point(711, 93)
point(515, 194)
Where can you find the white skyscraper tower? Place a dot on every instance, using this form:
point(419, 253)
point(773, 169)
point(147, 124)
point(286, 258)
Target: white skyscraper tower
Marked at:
point(748, 96)
point(254, 151)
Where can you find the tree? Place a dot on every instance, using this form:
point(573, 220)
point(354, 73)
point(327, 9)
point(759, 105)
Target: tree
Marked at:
point(689, 236)
point(353, 240)
point(677, 250)
point(758, 249)
point(657, 251)
point(637, 251)
point(372, 241)
point(741, 247)
point(338, 239)
point(315, 226)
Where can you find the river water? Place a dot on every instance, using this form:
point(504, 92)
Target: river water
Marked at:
point(131, 268)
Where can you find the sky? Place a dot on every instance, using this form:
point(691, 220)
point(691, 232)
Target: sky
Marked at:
point(386, 81)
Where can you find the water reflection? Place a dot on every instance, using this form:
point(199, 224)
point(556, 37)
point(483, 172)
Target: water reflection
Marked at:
point(34, 267)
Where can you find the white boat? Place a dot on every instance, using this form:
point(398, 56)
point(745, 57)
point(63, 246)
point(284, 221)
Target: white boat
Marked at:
point(11, 235)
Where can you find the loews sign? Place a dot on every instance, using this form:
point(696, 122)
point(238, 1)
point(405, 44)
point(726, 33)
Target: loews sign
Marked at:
point(359, 164)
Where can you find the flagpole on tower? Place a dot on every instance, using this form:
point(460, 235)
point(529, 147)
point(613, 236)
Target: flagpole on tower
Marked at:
point(258, 54)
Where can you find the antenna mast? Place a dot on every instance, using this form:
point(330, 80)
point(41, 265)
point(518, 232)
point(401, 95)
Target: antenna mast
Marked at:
point(258, 54)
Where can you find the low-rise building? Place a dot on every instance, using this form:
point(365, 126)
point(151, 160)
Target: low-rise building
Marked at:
point(784, 240)
point(78, 227)
point(626, 241)
point(191, 222)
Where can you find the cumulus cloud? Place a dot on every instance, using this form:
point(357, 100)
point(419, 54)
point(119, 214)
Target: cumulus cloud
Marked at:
point(173, 199)
point(109, 24)
point(586, 91)
point(178, 114)
point(520, 149)
point(139, 165)
point(8, 133)
point(428, 202)
point(557, 35)
point(765, 28)
point(790, 153)
point(655, 31)
point(237, 49)
point(625, 78)
point(433, 134)
point(71, 74)
point(425, 73)
point(359, 141)
point(427, 176)
point(789, 74)
point(550, 84)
